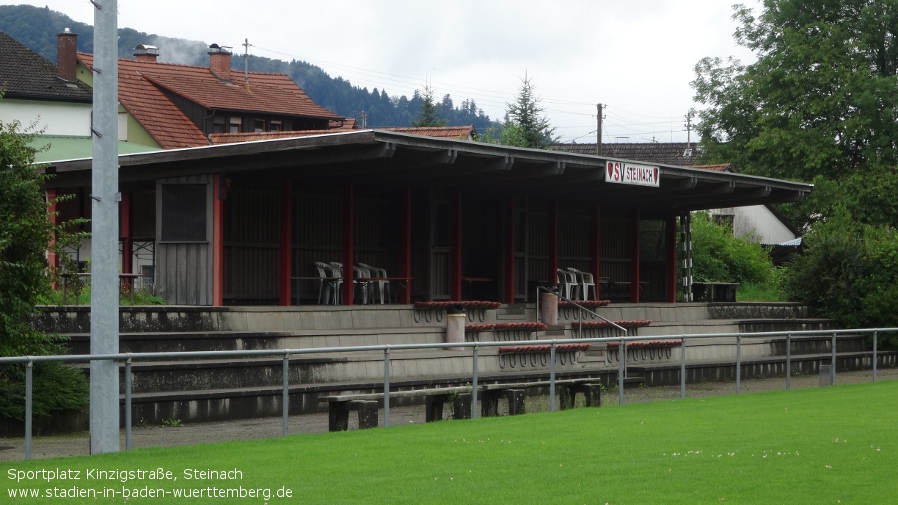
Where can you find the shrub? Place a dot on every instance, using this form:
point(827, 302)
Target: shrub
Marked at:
point(848, 272)
point(718, 256)
point(24, 234)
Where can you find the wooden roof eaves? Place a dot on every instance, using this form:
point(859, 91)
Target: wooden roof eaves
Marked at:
point(544, 165)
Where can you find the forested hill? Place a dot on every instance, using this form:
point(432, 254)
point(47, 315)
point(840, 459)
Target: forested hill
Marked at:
point(37, 28)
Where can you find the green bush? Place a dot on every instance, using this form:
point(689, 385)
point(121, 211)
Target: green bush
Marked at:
point(717, 256)
point(848, 272)
point(24, 233)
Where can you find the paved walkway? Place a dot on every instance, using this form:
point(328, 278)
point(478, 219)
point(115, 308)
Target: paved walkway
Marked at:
point(12, 449)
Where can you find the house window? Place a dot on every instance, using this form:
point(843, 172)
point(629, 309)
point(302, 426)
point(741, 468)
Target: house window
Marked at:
point(235, 125)
point(218, 124)
point(258, 125)
point(276, 126)
point(123, 126)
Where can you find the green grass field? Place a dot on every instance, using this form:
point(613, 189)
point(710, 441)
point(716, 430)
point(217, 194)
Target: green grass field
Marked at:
point(818, 446)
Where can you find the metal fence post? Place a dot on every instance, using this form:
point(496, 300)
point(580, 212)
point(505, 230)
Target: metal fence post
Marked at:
point(621, 356)
point(474, 411)
point(128, 421)
point(683, 368)
point(738, 364)
point(789, 362)
point(875, 338)
point(832, 370)
point(552, 377)
point(29, 406)
point(285, 397)
point(387, 386)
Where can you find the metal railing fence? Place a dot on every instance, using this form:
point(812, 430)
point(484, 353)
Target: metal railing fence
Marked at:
point(127, 359)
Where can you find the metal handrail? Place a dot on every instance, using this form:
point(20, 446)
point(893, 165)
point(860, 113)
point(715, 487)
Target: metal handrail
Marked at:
point(582, 308)
point(129, 358)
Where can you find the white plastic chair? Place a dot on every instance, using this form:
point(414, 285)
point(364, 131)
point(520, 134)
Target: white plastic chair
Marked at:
point(383, 286)
point(337, 273)
point(586, 280)
point(363, 285)
point(327, 284)
point(567, 282)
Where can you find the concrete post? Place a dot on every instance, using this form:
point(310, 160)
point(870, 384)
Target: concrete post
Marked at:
point(548, 308)
point(455, 325)
point(104, 305)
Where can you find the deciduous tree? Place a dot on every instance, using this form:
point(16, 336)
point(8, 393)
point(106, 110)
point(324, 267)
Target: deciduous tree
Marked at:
point(819, 103)
point(24, 235)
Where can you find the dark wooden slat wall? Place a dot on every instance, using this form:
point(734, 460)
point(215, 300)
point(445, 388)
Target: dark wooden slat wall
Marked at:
point(251, 234)
point(251, 260)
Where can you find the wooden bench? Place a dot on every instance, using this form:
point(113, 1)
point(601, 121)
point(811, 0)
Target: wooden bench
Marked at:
point(366, 404)
point(715, 291)
point(514, 393)
point(340, 405)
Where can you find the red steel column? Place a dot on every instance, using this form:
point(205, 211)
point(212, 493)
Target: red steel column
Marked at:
point(52, 257)
point(508, 289)
point(405, 248)
point(217, 241)
point(634, 260)
point(126, 234)
point(596, 247)
point(348, 242)
point(456, 268)
point(127, 239)
point(553, 243)
point(285, 246)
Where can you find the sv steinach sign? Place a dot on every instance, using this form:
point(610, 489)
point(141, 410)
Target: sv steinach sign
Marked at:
point(631, 173)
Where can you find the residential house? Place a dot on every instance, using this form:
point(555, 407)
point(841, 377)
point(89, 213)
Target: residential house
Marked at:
point(48, 101)
point(175, 106)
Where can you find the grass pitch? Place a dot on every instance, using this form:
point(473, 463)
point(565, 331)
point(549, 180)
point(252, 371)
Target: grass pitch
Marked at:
point(827, 445)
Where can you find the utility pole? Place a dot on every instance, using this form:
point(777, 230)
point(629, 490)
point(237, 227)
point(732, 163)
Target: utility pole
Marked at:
point(689, 116)
point(246, 62)
point(599, 129)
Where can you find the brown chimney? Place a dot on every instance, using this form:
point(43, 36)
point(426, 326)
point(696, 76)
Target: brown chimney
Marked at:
point(66, 59)
point(144, 52)
point(220, 62)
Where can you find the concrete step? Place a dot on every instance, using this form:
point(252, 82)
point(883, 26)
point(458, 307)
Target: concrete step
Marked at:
point(703, 326)
point(79, 343)
point(249, 402)
point(342, 367)
point(756, 368)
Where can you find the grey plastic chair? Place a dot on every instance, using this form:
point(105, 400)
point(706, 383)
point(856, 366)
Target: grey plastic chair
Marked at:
point(567, 283)
point(327, 284)
point(380, 288)
point(585, 280)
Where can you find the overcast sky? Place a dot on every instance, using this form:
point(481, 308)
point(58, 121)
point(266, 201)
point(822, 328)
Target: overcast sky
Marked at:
point(635, 57)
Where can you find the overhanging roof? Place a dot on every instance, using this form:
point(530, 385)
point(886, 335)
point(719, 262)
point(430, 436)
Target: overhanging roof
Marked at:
point(384, 160)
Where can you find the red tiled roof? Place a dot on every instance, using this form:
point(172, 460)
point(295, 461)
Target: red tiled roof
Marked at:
point(449, 132)
point(723, 167)
point(233, 138)
point(151, 108)
point(446, 132)
point(669, 153)
point(142, 86)
point(269, 93)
